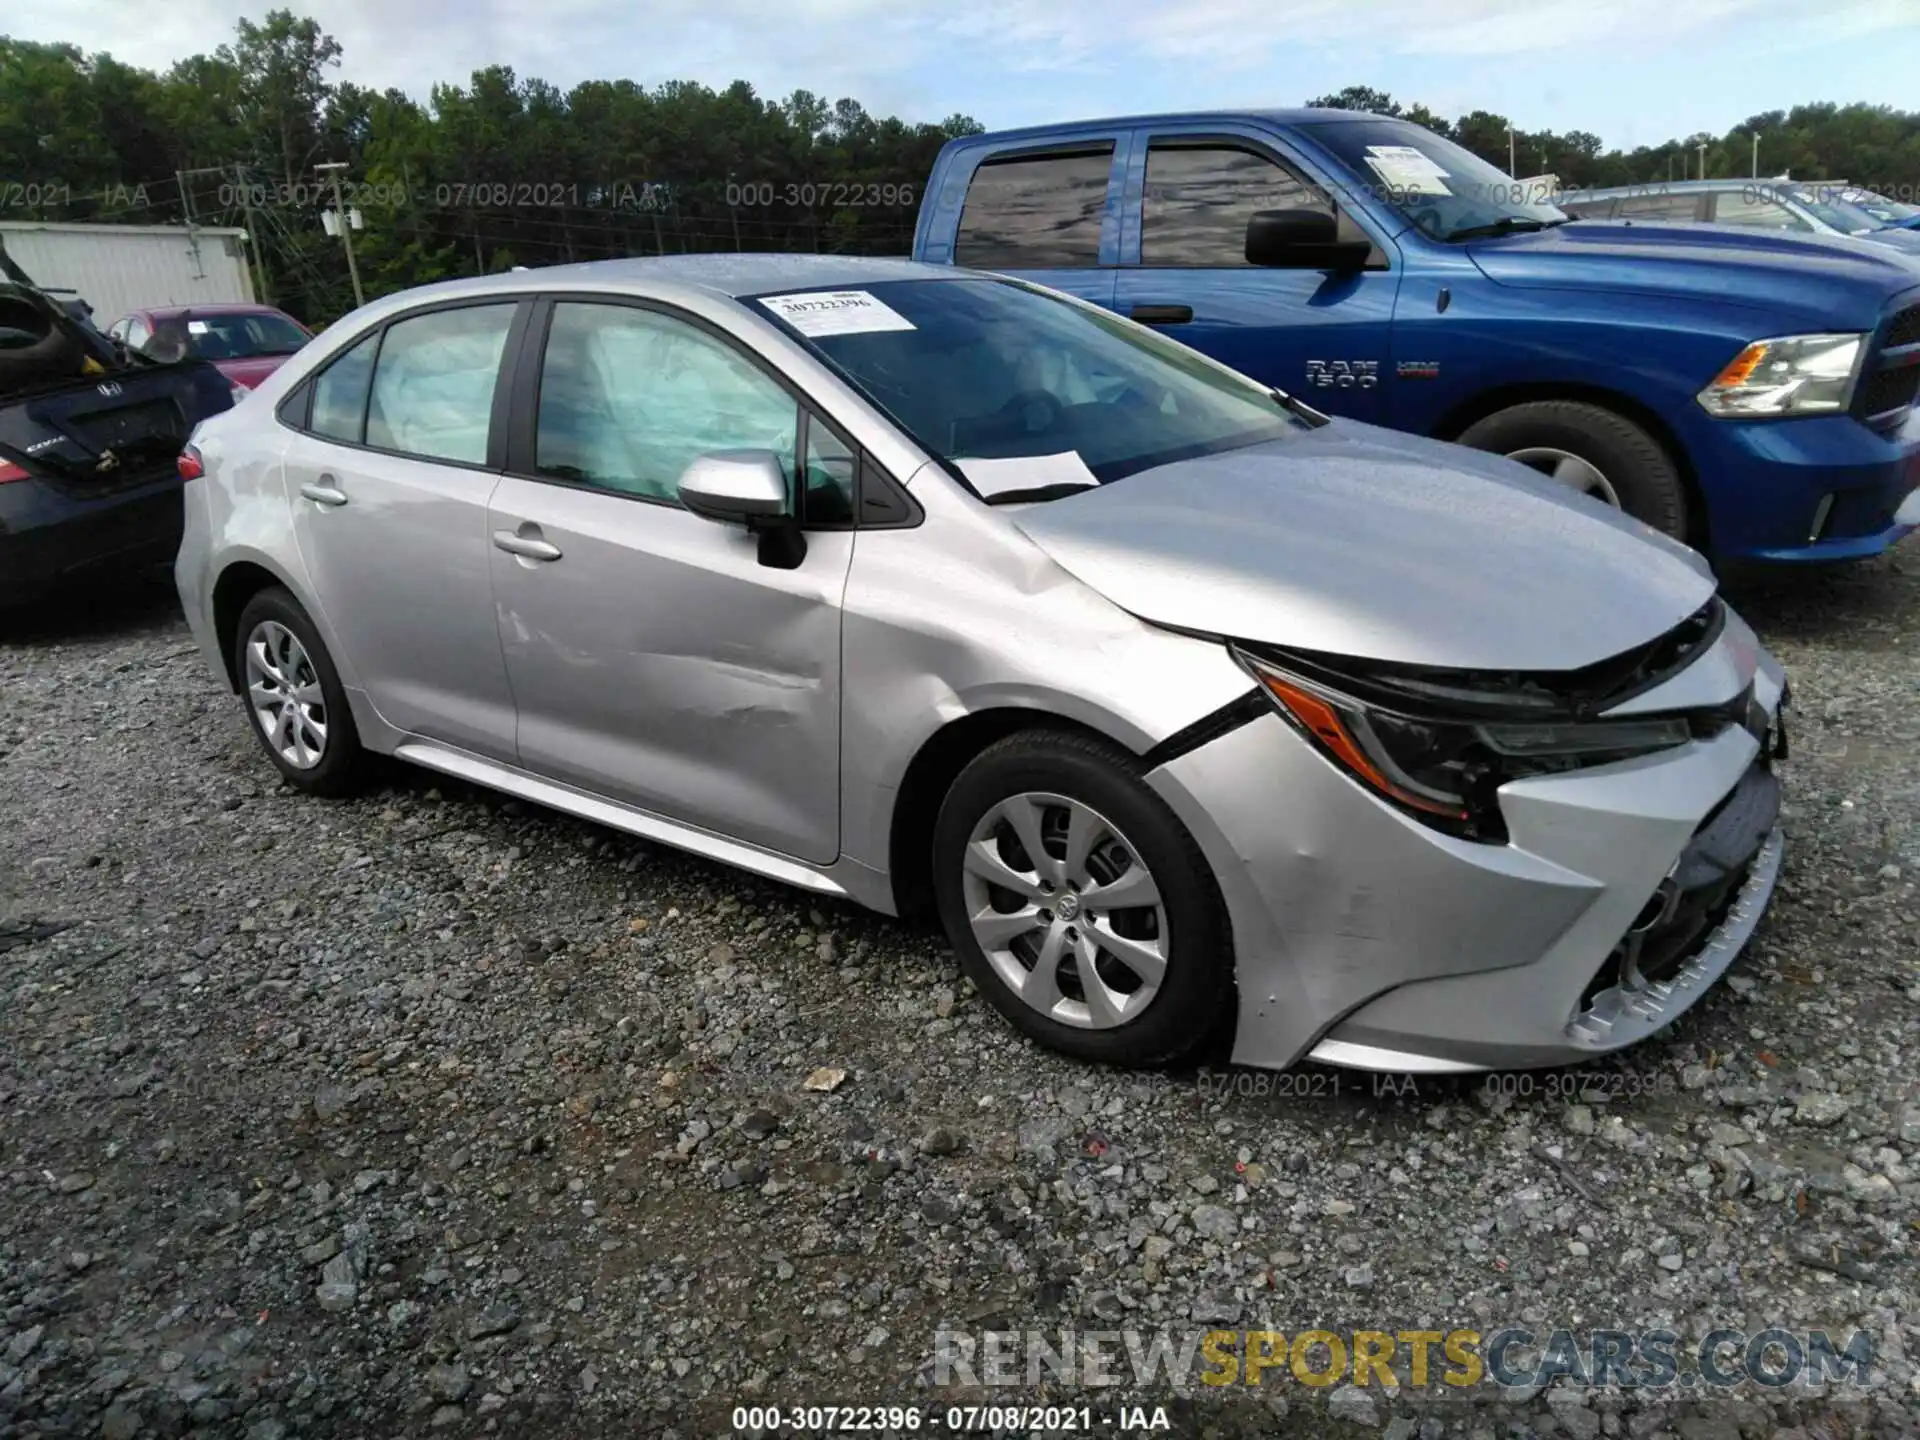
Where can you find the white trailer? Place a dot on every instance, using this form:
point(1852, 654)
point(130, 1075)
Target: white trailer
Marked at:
point(117, 268)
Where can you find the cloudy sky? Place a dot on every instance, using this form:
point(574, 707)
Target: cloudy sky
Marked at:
point(1634, 71)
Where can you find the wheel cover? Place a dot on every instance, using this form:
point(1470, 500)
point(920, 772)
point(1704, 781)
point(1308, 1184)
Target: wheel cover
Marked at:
point(1575, 472)
point(1065, 910)
point(283, 691)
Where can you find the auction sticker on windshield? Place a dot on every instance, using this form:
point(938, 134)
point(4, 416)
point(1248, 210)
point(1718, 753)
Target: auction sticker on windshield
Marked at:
point(1406, 168)
point(835, 312)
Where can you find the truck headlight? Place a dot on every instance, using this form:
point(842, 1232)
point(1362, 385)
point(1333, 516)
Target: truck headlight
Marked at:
point(1788, 375)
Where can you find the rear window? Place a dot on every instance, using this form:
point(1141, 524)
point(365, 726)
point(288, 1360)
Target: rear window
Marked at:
point(1036, 212)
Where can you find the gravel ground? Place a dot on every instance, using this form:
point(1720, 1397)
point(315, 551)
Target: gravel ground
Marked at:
point(434, 1113)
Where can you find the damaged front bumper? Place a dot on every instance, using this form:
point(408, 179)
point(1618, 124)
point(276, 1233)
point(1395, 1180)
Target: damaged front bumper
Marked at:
point(1364, 938)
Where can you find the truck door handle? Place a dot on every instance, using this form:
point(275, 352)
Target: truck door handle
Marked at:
point(527, 547)
point(1161, 314)
point(324, 491)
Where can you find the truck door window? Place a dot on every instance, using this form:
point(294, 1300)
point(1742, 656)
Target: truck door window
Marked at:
point(1038, 212)
point(1200, 197)
point(1660, 205)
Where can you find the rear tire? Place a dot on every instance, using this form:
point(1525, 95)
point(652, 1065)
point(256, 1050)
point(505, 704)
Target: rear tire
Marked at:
point(1115, 947)
point(296, 705)
point(1631, 464)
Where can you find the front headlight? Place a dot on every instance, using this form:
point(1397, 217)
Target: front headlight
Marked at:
point(1447, 772)
point(1789, 375)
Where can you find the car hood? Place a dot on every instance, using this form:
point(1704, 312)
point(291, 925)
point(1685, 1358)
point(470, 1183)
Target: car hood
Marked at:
point(1842, 280)
point(1358, 541)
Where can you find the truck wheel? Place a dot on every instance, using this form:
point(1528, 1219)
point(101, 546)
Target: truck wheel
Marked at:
point(1594, 450)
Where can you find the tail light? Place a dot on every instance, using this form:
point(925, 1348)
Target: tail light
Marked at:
point(190, 466)
point(10, 471)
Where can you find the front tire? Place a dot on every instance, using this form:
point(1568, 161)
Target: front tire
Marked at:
point(296, 706)
point(1078, 903)
point(1594, 450)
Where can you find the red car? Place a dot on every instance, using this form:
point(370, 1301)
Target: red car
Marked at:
point(246, 343)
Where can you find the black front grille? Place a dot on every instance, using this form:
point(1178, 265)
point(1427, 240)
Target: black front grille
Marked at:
point(1889, 386)
point(1888, 390)
point(1693, 901)
point(1903, 329)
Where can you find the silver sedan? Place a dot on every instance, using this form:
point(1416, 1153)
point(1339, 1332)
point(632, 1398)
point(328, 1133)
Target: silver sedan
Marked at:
point(1191, 712)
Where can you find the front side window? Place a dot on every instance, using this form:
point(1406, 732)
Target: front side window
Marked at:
point(1200, 197)
point(1035, 213)
point(630, 398)
point(982, 370)
point(1755, 211)
point(340, 394)
point(434, 380)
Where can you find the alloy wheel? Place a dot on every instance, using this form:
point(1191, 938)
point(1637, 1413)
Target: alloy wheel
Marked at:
point(1065, 910)
point(283, 691)
point(1563, 467)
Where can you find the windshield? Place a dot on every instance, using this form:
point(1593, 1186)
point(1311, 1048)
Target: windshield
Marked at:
point(1887, 212)
point(235, 336)
point(1447, 192)
point(985, 372)
point(1829, 208)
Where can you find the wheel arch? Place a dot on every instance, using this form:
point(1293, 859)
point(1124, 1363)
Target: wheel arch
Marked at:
point(1475, 408)
point(931, 773)
point(239, 581)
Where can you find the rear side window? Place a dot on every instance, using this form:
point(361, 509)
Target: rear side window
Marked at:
point(340, 394)
point(433, 383)
point(1035, 213)
point(1658, 206)
point(1200, 197)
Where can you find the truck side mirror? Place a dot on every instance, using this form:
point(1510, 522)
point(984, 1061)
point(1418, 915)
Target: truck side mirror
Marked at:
point(1302, 240)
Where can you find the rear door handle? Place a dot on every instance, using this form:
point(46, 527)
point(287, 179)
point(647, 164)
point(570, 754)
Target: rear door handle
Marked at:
point(324, 492)
point(1161, 314)
point(527, 547)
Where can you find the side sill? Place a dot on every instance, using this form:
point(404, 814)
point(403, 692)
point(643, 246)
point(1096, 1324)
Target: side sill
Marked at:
point(615, 815)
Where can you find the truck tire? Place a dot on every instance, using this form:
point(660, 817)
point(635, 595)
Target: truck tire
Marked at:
point(1593, 449)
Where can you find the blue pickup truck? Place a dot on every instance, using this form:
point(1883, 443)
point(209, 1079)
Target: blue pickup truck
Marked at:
point(1749, 392)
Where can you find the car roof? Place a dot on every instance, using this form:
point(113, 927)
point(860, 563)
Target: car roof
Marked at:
point(1686, 187)
point(216, 307)
point(730, 275)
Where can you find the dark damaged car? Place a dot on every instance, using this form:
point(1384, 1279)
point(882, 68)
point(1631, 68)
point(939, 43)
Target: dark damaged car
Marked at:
point(90, 442)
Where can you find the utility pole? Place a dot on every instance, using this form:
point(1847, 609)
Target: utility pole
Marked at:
point(1703, 159)
point(333, 168)
point(1511, 162)
point(1756, 155)
point(253, 233)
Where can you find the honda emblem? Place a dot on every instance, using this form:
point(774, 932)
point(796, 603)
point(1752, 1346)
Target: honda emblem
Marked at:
point(110, 388)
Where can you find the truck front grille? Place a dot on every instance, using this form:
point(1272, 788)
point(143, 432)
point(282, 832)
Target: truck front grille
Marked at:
point(1892, 380)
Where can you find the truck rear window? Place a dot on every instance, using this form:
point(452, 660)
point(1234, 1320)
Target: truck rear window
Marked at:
point(1036, 212)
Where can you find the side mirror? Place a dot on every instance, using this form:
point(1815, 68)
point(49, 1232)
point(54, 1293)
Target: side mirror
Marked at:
point(736, 487)
point(747, 487)
point(1302, 240)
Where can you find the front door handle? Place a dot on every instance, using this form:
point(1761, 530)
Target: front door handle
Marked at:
point(527, 547)
point(324, 491)
point(1161, 314)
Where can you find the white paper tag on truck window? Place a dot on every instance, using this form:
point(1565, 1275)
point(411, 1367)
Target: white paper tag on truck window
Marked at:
point(1405, 168)
point(836, 312)
point(196, 327)
point(1026, 472)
